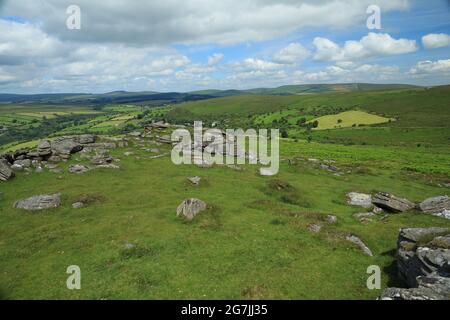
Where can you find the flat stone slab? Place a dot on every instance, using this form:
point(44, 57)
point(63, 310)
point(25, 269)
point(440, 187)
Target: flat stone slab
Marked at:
point(40, 202)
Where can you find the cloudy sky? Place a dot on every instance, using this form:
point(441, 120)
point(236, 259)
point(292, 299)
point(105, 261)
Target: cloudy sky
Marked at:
point(183, 45)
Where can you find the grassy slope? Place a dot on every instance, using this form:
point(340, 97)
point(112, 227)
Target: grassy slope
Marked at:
point(250, 244)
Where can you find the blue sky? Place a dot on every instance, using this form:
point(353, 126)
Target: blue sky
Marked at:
point(199, 44)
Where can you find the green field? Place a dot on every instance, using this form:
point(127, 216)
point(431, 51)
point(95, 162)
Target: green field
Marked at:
point(349, 119)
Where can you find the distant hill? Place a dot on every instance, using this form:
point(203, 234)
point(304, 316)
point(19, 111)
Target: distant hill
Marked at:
point(152, 97)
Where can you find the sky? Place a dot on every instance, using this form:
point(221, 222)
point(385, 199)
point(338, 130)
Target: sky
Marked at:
point(186, 45)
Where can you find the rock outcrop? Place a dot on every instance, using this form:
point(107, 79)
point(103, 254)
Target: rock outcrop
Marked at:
point(437, 206)
point(423, 260)
point(41, 202)
point(359, 199)
point(6, 172)
point(392, 203)
point(189, 208)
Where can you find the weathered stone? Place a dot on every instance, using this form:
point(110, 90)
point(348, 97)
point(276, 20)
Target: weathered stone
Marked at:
point(102, 157)
point(266, 172)
point(359, 199)
point(189, 208)
point(331, 219)
point(40, 202)
point(315, 228)
point(357, 241)
point(55, 159)
point(194, 180)
point(86, 139)
point(419, 253)
point(165, 139)
point(44, 148)
point(392, 203)
point(78, 169)
point(135, 134)
point(77, 205)
point(437, 206)
point(24, 163)
point(65, 146)
point(16, 168)
point(5, 171)
point(429, 288)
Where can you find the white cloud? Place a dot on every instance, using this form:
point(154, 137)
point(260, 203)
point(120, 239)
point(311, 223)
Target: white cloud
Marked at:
point(215, 58)
point(293, 53)
point(372, 45)
point(193, 21)
point(432, 67)
point(433, 41)
point(253, 64)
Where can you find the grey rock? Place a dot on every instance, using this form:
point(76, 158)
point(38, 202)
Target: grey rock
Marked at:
point(77, 205)
point(315, 228)
point(421, 253)
point(86, 139)
point(364, 215)
point(429, 288)
point(189, 208)
point(65, 146)
point(392, 203)
point(17, 168)
point(437, 206)
point(359, 199)
point(361, 245)
point(40, 202)
point(78, 169)
point(331, 219)
point(5, 171)
point(44, 148)
point(26, 163)
point(195, 180)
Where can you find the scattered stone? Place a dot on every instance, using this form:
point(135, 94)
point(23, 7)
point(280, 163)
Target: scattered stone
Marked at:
point(40, 202)
point(26, 163)
point(154, 150)
point(331, 219)
point(78, 169)
point(127, 154)
point(377, 210)
point(189, 208)
point(55, 159)
point(77, 205)
point(16, 168)
point(194, 180)
point(359, 199)
point(437, 206)
point(357, 241)
point(392, 203)
point(315, 228)
point(107, 166)
point(5, 171)
point(102, 157)
point(39, 170)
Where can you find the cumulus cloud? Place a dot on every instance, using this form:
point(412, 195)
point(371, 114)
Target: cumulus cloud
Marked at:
point(372, 45)
point(433, 40)
point(253, 64)
point(293, 53)
point(193, 21)
point(432, 67)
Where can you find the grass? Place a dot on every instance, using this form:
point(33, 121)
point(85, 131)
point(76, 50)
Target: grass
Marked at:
point(349, 119)
point(253, 241)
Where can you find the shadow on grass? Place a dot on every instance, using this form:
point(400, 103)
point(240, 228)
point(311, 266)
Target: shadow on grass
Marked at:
point(3, 295)
point(394, 279)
